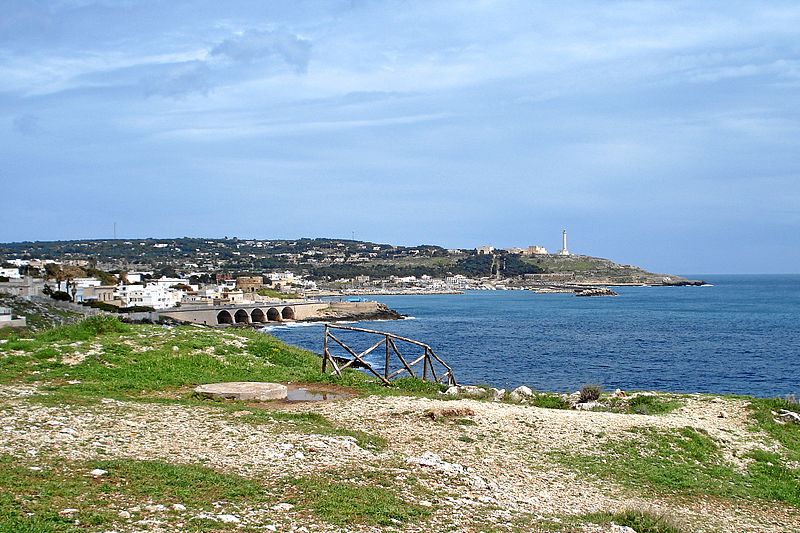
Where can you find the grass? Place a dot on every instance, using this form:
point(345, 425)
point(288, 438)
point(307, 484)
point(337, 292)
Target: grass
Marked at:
point(271, 293)
point(648, 404)
point(372, 501)
point(640, 521)
point(787, 435)
point(644, 404)
point(686, 461)
point(30, 501)
point(316, 424)
point(132, 361)
point(550, 401)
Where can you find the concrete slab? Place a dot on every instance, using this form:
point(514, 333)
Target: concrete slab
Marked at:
point(243, 390)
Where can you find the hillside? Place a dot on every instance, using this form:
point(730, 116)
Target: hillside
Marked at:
point(318, 259)
point(101, 432)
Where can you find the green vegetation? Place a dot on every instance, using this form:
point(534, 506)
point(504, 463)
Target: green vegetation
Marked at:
point(648, 404)
point(314, 423)
point(550, 401)
point(271, 293)
point(640, 521)
point(787, 435)
point(644, 404)
point(688, 462)
point(114, 359)
point(30, 500)
point(370, 500)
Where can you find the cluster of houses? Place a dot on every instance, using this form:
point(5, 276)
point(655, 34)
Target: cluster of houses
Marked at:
point(141, 289)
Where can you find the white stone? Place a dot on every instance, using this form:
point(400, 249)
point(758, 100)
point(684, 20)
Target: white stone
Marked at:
point(621, 529)
point(498, 394)
point(178, 507)
point(124, 514)
point(283, 506)
point(35, 468)
point(228, 519)
point(67, 512)
point(243, 390)
point(299, 455)
point(97, 472)
point(522, 390)
point(587, 406)
point(154, 507)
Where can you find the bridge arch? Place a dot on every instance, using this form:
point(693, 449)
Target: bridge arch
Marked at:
point(287, 313)
point(241, 316)
point(257, 315)
point(273, 315)
point(224, 317)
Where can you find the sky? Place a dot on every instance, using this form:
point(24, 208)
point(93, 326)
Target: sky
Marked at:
point(661, 134)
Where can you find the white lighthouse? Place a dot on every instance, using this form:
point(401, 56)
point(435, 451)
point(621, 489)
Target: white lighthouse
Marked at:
point(563, 250)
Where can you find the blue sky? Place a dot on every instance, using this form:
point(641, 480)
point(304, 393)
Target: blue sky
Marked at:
point(664, 134)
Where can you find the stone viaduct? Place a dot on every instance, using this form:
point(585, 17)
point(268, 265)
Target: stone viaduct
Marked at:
point(249, 313)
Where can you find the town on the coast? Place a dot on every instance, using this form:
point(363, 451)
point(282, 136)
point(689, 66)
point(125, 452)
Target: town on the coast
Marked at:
point(195, 280)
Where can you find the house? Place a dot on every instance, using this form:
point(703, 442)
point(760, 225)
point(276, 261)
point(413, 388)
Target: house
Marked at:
point(7, 319)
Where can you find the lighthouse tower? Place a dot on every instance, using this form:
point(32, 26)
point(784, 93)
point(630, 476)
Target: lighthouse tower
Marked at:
point(563, 250)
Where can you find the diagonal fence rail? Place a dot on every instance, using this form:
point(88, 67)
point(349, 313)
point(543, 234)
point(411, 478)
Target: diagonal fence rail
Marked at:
point(432, 365)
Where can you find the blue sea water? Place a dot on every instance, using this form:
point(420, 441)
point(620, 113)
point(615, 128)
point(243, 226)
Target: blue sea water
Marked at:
point(739, 335)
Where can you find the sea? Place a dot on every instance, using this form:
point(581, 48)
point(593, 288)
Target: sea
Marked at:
point(738, 334)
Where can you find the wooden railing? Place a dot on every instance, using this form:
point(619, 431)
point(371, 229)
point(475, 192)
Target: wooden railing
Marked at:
point(389, 341)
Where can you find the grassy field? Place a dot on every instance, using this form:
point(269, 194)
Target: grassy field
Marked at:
point(81, 367)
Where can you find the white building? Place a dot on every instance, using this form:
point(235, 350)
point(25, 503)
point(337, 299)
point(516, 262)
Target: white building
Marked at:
point(535, 250)
point(458, 282)
point(484, 250)
point(287, 277)
point(10, 273)
point(152, 295)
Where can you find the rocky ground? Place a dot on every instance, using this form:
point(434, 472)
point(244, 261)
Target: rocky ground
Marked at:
point(473, 465)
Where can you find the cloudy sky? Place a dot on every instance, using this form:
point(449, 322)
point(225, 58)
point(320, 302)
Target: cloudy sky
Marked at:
point(665, 134)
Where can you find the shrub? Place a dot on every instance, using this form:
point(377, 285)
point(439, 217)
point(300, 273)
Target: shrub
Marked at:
point(590, 393)
point(550, 401)
point(61, 296)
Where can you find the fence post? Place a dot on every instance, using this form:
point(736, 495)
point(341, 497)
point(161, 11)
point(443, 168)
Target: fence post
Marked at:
point(386, 365)
point(325, 351)
point(425, 366)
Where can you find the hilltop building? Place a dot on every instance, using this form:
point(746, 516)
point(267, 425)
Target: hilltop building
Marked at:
point(485, 250)
point(535, 250)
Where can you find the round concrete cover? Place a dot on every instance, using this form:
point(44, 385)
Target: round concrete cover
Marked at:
point(244, 390)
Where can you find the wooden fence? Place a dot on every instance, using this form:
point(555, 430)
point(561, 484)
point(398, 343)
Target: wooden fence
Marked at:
point(389, 342)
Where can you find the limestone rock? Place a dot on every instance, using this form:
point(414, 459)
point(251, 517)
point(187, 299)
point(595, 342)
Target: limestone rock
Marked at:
point(520, 394)
point(498, 394)
point(471, 391)
point(243, 390)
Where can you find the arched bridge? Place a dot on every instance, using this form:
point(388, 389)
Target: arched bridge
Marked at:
point(250, 313)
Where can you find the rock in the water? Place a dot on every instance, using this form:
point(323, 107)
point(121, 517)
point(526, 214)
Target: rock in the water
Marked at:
point(243, 390)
